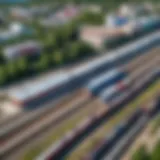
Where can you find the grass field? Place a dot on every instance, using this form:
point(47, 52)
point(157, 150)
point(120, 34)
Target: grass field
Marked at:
point(101, 132)
point(155, 124)
point(63, 128)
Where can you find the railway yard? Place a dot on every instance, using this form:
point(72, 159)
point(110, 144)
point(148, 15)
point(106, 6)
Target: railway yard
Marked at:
point(98, 109)
point(101, 132)
point(69, 115)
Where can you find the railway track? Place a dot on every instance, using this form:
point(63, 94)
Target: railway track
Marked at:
point(41, 110)
point(123, 144)
point(85, 111)
point(130, 94)
point(69, 124)
point(138, 61)
point(95, 138)
point(131, 66)
point(32, 117)
point(26, 118)
point(11, 131)
point(60, 109)
point(150, 65)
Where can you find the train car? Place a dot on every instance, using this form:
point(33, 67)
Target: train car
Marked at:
point(53, 152)
point(106, 144)
point(138, 86)
point(95, 85)
point(113, 42)
point(114, 90)
point(146, 25)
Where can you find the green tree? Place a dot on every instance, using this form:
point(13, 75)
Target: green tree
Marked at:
point(50, 43)
point(156, 152)
point(89, 17)
point(22, 64)
point(58, 58)
point(44, 62)
point(1, 57)
point(3, 75)
point(141, 154)
point(12, 70)
point(74, 51)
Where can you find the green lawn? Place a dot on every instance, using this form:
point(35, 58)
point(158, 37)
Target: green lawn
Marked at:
point(155, 124)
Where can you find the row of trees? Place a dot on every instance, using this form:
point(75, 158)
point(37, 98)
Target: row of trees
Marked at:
point(20, 68)
point(12, 70)
point(89, 17)
point(143, 154)
point(61, 46)
point(110, 3)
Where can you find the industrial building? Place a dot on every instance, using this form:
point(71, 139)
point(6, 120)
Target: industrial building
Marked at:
point(61, 16)
point(96, 35)
point(22, 49)
point(37, 91)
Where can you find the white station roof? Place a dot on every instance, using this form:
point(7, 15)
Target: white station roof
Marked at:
point(104, 77)
point(39, 86)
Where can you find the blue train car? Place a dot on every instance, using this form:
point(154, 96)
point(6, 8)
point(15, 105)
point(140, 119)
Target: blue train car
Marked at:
point(105, 80)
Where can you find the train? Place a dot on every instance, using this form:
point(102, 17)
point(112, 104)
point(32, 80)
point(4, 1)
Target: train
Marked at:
point(105, 146)
point(111, 84)
point(59, 149)
point(77, 77)
point(114, 90)
point(116, 99)
point(96, 84)
point(132, 31)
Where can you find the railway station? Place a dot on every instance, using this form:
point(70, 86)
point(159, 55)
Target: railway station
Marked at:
point(79, 80)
